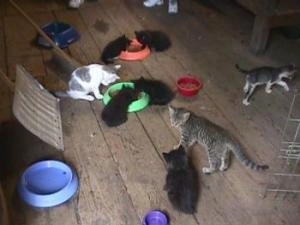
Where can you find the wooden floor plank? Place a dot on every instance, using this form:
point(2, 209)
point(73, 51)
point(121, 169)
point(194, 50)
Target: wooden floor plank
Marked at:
point(143, 189)
point(31, 6)
point(115, 186)
point(152, 122)
point(185, 63)
point(255, 192)
point(85, 47)
point(217, 78)
point(19, 35)
point(129, 143)
point(102, 186)
point(102, 197)
point(23, 152)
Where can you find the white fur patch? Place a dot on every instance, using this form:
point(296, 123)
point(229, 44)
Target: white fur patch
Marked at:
point(99, 74)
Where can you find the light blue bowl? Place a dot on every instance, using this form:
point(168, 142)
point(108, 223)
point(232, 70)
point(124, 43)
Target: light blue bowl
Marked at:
point(48, 183)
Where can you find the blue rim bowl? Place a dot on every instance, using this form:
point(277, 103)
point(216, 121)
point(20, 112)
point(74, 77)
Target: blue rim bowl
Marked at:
point(48, 183)
point(62, 34)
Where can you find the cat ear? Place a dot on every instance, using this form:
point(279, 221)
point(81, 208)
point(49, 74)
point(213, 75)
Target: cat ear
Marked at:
point(186, 116)
point(181, 149)
point(165, 155)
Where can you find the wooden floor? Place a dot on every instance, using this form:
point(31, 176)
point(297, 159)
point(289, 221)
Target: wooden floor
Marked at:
point(121, 169)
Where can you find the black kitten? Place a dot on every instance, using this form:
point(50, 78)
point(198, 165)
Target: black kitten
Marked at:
point(114, 48)
point(182, 182)
point(115, 112)
point(159, 92)
point(156, 40)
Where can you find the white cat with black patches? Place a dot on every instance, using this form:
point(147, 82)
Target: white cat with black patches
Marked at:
point(87, 79)
point(268, 76)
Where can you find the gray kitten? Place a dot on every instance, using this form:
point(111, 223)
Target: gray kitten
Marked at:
point(266, 75)
point(217, 141)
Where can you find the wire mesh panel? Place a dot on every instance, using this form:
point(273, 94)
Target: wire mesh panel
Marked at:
point(36, 109)
point(286, 181)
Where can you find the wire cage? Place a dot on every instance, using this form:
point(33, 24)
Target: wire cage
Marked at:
point(285, 182)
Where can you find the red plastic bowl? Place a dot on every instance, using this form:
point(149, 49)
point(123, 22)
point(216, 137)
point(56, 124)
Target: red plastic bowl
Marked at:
point(189, 85)
point(135, 52)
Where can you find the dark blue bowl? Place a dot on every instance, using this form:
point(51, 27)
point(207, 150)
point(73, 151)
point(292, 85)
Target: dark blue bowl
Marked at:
point(62, 34)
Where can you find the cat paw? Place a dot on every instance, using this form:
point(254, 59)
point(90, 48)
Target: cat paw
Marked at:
point(75, 3)
point(268, 91)
point(151, 3)
point(206, 170)
point(286, 89)
point(173, 8)
point(223, 168)
point(245, 102)
point(99, 96)
point(89, 98)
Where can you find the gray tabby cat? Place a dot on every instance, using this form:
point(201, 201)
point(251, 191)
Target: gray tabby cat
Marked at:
point(217, 141)
point(266, 75)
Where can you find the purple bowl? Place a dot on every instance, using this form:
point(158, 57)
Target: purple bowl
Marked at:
point(156, 217)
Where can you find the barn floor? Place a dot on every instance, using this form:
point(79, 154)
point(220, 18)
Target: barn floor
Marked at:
point(121, 169)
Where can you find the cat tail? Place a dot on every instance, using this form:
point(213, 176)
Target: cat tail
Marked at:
point(243, 158)
point(240, 69)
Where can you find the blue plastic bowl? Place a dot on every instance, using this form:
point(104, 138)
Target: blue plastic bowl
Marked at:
point(48, 183)
point(62, 34)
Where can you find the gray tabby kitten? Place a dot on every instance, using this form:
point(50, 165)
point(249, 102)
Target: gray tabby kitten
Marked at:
point(266, 75)
point(217, 141)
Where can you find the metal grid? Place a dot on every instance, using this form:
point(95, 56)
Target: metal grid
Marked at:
point(36, 109)
point(286, 181)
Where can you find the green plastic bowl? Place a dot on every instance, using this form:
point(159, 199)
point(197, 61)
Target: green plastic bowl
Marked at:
point(135, 106)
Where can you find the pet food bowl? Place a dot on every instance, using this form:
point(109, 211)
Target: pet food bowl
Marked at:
point(135, 51)
point(156, 217)
point(62, 34)
point(189, 85)
point(48, 183)
point(137, 105)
